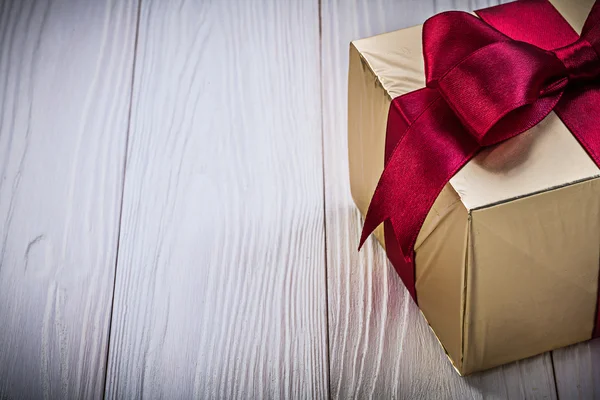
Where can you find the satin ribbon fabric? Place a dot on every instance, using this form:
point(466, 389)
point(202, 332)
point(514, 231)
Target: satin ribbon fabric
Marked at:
point(487, 80)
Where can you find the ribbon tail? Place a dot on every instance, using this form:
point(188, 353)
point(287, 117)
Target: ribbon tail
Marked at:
point(375, 215)
point(578, 110)
point(403, 112)
point(433, 148)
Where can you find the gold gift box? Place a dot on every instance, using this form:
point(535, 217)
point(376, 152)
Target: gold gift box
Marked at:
point(507, 260)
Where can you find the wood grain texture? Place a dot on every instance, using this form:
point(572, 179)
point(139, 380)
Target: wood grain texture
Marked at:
point(221, 287)
point(65, 78)
point(578, 371)
point(380, 345)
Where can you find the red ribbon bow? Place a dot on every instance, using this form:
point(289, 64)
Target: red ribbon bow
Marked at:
point(488, 80)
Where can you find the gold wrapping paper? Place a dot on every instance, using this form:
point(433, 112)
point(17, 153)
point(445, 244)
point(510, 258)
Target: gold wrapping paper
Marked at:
point(507, 260)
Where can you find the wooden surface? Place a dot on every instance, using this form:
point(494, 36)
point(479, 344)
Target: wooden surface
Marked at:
point(198, 149)
point(578, 371)
point(220, 287)
point(65, 74)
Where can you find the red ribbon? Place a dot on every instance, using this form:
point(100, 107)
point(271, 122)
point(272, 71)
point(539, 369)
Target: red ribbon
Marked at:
point(488, 80)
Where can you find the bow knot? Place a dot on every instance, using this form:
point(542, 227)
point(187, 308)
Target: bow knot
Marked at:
point(580, 59)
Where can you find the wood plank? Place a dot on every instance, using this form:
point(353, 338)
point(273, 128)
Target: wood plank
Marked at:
point(380, 346)
point(65, 78)
point(577, 370)
point(221, 275)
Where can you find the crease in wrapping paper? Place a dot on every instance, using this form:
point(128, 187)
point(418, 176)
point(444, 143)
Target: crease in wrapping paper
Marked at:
point(470, 319)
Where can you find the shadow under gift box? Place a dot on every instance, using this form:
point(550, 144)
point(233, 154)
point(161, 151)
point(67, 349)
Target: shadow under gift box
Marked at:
point(507, 260)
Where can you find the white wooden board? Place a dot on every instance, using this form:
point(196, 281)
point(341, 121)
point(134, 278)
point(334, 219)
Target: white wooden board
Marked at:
point(221, 275)
point(577, 370)
point(65, 79)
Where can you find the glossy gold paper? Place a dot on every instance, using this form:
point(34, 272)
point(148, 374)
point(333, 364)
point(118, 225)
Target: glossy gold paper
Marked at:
point(507, 261)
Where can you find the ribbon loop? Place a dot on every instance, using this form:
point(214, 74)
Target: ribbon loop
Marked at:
point(522, 74)
point(450, 37)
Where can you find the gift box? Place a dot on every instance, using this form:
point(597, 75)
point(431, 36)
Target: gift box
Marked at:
point(506, 262)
